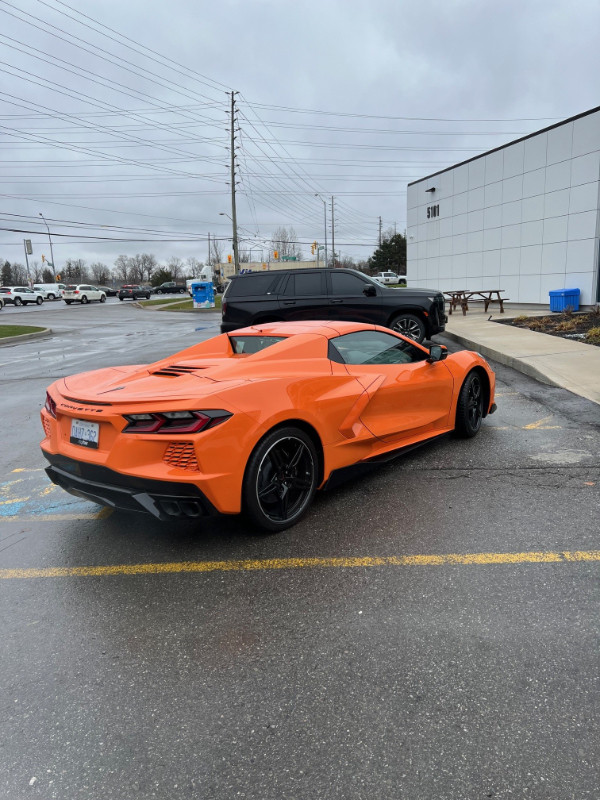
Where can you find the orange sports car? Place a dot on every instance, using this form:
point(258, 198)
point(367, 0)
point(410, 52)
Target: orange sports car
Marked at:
point(258, 419)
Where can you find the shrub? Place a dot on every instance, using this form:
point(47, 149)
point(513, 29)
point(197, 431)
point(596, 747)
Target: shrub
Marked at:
point(593, 336)
point(566, 326)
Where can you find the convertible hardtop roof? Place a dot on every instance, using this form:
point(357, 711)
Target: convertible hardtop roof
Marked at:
point(319, 327)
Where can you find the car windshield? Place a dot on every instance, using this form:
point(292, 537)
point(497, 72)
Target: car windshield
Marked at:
point(246, 345)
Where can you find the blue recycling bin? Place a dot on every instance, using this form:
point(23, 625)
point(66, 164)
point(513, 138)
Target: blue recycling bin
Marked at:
point(561, 299)
point(203, 294)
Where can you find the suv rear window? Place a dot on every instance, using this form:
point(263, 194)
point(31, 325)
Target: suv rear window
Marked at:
point(252, 285)
point(308, 285)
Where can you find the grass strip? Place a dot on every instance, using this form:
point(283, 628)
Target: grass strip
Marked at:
point(6, 331)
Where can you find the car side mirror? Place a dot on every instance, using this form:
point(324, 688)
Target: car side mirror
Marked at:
point(437, 353)
point(370, 291)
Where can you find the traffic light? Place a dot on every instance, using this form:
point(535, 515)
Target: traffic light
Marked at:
point(229, 259)
point(313, 248)
point(275, 253)
point(59, 277)
point(43, 258)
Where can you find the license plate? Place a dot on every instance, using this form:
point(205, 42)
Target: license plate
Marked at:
point(84, 433)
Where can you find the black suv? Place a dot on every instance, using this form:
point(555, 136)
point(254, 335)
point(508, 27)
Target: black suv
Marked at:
point(133, 292)
point(298, 294)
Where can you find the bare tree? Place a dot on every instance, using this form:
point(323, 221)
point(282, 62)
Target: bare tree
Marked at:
point(148, 265)
point(36, 272)
point(135, 269)
point(217, 252)
point(122, 269)
point(100, 273)
point(194, 267)
point(244, 256)
point(284, 240)
point(176, 267)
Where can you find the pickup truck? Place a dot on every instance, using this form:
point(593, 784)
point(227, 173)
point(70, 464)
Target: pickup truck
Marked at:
point(170, 287)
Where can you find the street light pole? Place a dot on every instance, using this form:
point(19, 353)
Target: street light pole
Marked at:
point(50, 240)
point(236, 257)
point(325, 230)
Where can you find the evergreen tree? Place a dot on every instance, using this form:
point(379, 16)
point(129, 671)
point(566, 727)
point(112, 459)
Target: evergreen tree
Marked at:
point(391, 256)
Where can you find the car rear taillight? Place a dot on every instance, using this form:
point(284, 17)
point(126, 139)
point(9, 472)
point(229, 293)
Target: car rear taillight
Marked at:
point(50, 406)
point(76, 291)
point(175, 421)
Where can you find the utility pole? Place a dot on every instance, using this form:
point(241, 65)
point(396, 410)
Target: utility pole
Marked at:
point(325, 226)
point(379, 231)
point(236, 257)
point(208, 262)
point(50, 240)
point(332, 234)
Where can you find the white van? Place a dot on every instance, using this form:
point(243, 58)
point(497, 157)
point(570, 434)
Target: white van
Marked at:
point(50, 291)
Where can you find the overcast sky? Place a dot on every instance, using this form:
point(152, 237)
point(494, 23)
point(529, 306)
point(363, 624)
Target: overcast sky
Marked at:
point(114, 115)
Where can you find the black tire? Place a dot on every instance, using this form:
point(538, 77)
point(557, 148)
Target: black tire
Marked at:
point(469, 410)
point(18, 301)
point(51, 297)
point(409, 325)
point(181, 291)
point(68, 302)
point(159, 291)
point(281, 479)
point(121, 299)
point(103, 298)
point(84, 300)
point(147, 297)
point(39, 301)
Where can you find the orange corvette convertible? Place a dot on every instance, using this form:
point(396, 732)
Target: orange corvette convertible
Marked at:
point(258, 419)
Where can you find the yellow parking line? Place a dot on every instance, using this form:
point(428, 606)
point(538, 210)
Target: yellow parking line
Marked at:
point(466, 559)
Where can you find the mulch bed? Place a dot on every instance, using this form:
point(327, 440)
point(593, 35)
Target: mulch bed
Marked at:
point(579, 327)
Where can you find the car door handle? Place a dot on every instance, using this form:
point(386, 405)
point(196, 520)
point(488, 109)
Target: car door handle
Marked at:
point(289, 302)
point(335, 301)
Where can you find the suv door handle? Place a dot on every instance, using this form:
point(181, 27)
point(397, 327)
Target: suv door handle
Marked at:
point(289, 302)
point(336, 301)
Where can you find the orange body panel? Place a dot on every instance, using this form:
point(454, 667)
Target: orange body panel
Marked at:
point(357, 412)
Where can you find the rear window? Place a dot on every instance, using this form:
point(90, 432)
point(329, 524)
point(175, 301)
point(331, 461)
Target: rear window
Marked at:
point(71, 286)
point(247, 345)
point(248, 286)
point(307, 285)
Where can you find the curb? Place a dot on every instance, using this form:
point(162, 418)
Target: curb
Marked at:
point(24, 337)
point(503, 358)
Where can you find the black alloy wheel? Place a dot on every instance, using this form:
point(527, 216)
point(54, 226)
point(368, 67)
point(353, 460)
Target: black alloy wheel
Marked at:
point(84, 300)
point(410, 326)
point(469, 410)
point(281, 479)
point(18, 301)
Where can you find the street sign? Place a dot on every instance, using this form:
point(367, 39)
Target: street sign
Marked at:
point(28, 247)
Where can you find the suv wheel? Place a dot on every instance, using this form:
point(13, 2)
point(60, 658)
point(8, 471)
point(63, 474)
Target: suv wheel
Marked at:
point(51, 296)
point(39, 301)
point(84, 299)
point(18, 301)
point(410, 326)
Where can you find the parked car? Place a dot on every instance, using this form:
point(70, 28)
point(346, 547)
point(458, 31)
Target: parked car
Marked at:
point(340, 294)
point(257, 421)
point(82, 293)
point(170, 287)
point(133, 292)
point(108, 291)
point(50, 291)
point(21, 295)
point(387, 277)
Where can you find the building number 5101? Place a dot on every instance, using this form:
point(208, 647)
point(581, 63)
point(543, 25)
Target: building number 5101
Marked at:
point(433, 211)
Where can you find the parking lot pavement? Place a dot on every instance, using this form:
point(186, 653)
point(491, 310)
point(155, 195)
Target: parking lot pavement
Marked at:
point(428, 631)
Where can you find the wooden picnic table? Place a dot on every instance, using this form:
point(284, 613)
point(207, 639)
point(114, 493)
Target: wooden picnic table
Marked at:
point(461, 297)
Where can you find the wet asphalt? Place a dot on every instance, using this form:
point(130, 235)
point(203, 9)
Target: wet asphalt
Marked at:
point(445, 681)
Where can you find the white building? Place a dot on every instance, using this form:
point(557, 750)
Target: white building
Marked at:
point(523, 217)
